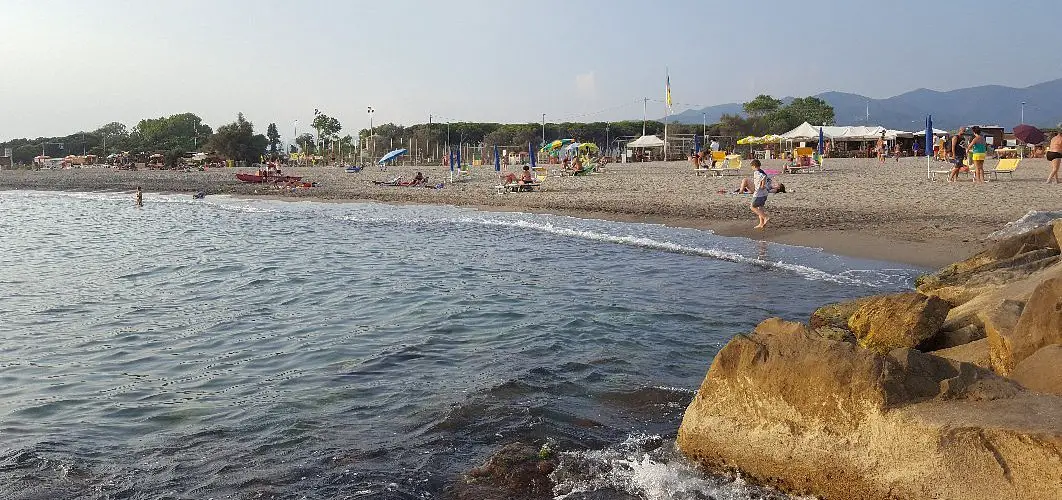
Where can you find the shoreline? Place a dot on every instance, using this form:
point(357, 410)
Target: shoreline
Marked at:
point(856, 208)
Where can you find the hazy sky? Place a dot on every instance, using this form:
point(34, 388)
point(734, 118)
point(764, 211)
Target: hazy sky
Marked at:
point(74, 65)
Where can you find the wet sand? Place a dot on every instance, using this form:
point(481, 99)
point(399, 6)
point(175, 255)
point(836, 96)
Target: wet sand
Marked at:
point(855, 207)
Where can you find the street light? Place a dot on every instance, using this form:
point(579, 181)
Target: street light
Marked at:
point(543, 129)
point(372, 135)
point(1023, 112)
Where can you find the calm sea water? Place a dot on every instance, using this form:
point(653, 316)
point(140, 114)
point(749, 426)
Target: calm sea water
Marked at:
point(227, 348)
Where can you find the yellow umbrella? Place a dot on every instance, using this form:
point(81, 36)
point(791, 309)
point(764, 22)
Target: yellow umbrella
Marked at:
point(746, 140)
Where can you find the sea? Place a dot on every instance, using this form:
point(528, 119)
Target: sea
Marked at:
point(248, 348)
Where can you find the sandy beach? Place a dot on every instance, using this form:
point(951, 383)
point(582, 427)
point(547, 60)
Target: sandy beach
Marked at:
point(855, 207)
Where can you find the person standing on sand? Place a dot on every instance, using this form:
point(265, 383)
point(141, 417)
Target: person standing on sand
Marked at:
point(759, 196)
point(882, 152)
point(978, 151)
point(958, 153)
point(139, 197)
point(1054, 155)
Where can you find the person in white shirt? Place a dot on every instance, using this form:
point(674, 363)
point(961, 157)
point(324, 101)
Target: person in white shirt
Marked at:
point(759, 196)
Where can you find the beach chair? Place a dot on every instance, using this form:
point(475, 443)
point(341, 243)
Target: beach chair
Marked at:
point(1005, 166)
point(804, 161)
point(717, 158)
point(730, 164)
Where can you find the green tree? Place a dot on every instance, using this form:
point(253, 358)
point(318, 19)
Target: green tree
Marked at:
point(327, 127)
point(812, 110)
point(274, 138)
point(306, 143)
point(762, 105)
point(237, 141)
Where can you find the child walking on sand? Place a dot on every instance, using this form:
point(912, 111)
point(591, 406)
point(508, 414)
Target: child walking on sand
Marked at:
point(759, 196)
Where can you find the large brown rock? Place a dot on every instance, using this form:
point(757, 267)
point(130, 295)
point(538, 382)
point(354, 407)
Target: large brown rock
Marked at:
point(907, 320)
point(834, 315)
point(975, 353)
point(1041, 372)
point(1007, 261)
point(816, 416)
point(1040, 324)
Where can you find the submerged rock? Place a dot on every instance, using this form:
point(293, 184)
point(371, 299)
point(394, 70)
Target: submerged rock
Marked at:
point(517, 471)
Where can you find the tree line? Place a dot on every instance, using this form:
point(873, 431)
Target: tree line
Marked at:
point(178, 134)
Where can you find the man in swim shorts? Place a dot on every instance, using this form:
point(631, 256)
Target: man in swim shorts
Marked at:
point(1054, 155)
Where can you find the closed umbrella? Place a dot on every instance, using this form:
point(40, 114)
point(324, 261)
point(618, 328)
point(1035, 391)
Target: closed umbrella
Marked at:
point(929, 146)
point(497, 159)
point(531, 153)
point(696, 143)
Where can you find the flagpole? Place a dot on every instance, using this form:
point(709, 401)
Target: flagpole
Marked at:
point(667, 108)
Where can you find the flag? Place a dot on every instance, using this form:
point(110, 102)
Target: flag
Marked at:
point(667, 88)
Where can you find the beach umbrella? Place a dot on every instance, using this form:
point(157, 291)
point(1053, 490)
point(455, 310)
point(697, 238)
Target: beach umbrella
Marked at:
point(821, 142)
point(497, 159)
point(696, 143)
point(929, 146)
point(531, 153)
point(459, 157)
point(392, 155)
point(1029, 134)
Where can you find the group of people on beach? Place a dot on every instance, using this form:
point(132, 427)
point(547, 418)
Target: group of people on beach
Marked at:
point(968, 153)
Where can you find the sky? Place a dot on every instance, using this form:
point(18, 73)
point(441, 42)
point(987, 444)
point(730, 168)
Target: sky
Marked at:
point(74, 65)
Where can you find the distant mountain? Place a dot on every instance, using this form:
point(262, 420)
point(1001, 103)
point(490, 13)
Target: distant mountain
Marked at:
point(985, 105)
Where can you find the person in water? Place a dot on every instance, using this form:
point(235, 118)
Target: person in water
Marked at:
point(139, 197)
point(759, 195)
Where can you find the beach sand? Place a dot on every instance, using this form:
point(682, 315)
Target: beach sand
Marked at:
point(856, 207)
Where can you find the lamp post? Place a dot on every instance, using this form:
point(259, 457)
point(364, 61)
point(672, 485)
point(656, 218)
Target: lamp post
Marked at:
point(372, 135)
point(543, 130)
point(1023, 112)
point(195, 134)
point(606, 138)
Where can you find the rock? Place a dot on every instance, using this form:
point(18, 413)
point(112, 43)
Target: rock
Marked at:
point(834, 315)
point(816, 416)
point(1040, 324)
point(837, 334)
point(975, 353)
point(886, 322)
point(1006, 261)
point(945, 339)
point(1041, 372)
point(516, 471)
point(999, 323)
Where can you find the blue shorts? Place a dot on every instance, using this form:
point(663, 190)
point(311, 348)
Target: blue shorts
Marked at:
point(759, 201)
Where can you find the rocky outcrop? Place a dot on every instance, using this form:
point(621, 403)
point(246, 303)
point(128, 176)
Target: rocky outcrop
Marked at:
point(851, 407)
point(1042, 372)
point(817, 416)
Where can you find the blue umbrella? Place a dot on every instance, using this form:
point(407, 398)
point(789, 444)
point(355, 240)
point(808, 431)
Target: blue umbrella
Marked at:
point(459, 157)
point(929, 145)
point(392, 155)
point(821, 141)
point(451, 163)
point(531, 152)
point(696, 143)
point(497, 159)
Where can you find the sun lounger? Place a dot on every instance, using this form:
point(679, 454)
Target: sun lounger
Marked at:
point(516, 187)
point(1005, 166)
point(730, 164)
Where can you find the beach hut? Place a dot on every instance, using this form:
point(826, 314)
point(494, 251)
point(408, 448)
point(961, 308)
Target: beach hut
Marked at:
point(645, 142)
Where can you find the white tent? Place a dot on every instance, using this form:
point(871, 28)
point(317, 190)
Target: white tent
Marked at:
point(646, 141)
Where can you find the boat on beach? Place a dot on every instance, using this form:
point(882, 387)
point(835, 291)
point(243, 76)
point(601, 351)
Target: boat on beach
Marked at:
point(259, 179)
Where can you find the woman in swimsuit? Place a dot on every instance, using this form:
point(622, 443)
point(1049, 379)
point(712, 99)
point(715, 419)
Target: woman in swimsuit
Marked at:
point(978, 151)
point(1054, 155)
